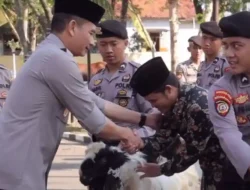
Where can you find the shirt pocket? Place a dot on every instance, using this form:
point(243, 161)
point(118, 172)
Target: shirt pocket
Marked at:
point(124, 98)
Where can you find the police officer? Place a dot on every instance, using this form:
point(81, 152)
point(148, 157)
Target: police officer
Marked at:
point(214, 65)
point(187, 70)
point(5, 83)
point(185, 135)
point(112, 82)
point(35, 113)
point(229, 101)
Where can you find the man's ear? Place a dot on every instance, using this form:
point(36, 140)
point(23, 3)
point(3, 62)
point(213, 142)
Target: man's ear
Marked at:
point(71, 27)
point(126, 42)
point(168, 89)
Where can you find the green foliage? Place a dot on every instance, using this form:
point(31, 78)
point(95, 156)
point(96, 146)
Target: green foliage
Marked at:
point(232, 6)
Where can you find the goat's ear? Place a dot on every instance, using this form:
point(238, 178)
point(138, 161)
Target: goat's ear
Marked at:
point(112, 183)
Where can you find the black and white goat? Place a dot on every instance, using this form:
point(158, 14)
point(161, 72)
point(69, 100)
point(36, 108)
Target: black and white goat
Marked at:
point(110, 168)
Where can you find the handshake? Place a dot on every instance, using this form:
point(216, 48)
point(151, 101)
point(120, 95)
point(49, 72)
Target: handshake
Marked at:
point(132, 141)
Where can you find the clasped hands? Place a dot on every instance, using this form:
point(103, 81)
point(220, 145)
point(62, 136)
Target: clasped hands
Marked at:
point(132, 143)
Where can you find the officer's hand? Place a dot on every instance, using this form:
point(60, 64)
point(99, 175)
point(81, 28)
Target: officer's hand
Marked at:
point(154, 120)
point(132, 143)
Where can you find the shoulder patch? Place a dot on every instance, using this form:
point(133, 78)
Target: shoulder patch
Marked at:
point(223, 101)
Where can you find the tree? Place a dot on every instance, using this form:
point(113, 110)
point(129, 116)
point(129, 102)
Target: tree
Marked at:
point(215, 13)
point(124, 11)
point(28, 20)
point(221, 6)
point(174, 27)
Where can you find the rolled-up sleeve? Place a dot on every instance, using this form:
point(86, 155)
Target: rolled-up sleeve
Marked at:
point(223, 117)
point(63, 77)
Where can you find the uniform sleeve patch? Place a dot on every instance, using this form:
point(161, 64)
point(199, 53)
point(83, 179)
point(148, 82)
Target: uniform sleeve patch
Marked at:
point(223, 101)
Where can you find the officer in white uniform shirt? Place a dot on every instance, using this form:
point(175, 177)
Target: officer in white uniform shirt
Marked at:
point(34, 116)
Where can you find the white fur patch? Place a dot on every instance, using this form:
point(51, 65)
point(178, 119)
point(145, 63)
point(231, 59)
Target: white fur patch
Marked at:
point(93, 149)
point(128, 169)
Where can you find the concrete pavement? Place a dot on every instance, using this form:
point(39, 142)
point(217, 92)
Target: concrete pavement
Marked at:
point(64, 171)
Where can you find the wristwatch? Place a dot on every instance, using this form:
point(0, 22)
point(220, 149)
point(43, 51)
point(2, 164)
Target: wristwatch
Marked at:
point(143, 120)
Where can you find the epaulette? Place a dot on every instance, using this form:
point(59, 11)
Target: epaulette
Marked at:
point(137, 65)
point(99, 71)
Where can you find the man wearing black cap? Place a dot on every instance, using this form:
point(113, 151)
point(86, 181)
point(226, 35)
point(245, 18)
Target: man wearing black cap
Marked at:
point(185, 135)
point(187, 71)
point(214, 65)
point(112, 82)
point(229, 101)
point(35, 113)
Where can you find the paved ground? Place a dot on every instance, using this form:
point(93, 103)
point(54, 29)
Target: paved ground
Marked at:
point(64, 172)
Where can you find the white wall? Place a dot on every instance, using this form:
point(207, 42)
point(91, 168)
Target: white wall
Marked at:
point(186, 30)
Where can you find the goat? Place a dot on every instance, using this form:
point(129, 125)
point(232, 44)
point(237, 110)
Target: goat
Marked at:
point(109, 168)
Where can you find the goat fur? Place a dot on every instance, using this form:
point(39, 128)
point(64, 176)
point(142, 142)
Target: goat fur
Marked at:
point(125, 177)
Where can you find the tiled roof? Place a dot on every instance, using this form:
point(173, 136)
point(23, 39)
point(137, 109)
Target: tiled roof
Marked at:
point(159, 9)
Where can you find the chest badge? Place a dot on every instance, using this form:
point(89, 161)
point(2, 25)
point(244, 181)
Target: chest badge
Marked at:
point(97, 82)
point(122, 92)
point(126, 78)
point(123, 102)
point(241, 99)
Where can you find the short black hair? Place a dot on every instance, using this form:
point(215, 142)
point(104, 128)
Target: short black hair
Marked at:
point(60, 21)
point(171, 80)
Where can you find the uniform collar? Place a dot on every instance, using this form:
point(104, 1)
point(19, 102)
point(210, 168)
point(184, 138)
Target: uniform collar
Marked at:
point(57, 41)
point(190, 61)
point(121, 69)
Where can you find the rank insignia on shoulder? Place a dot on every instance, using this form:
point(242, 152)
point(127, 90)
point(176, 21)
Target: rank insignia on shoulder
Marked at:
point(123, 66)
point(97, 82)
point(244, 80)
point(223, 101)
point(126, 78)
point(122, 93)
point(123, 102)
